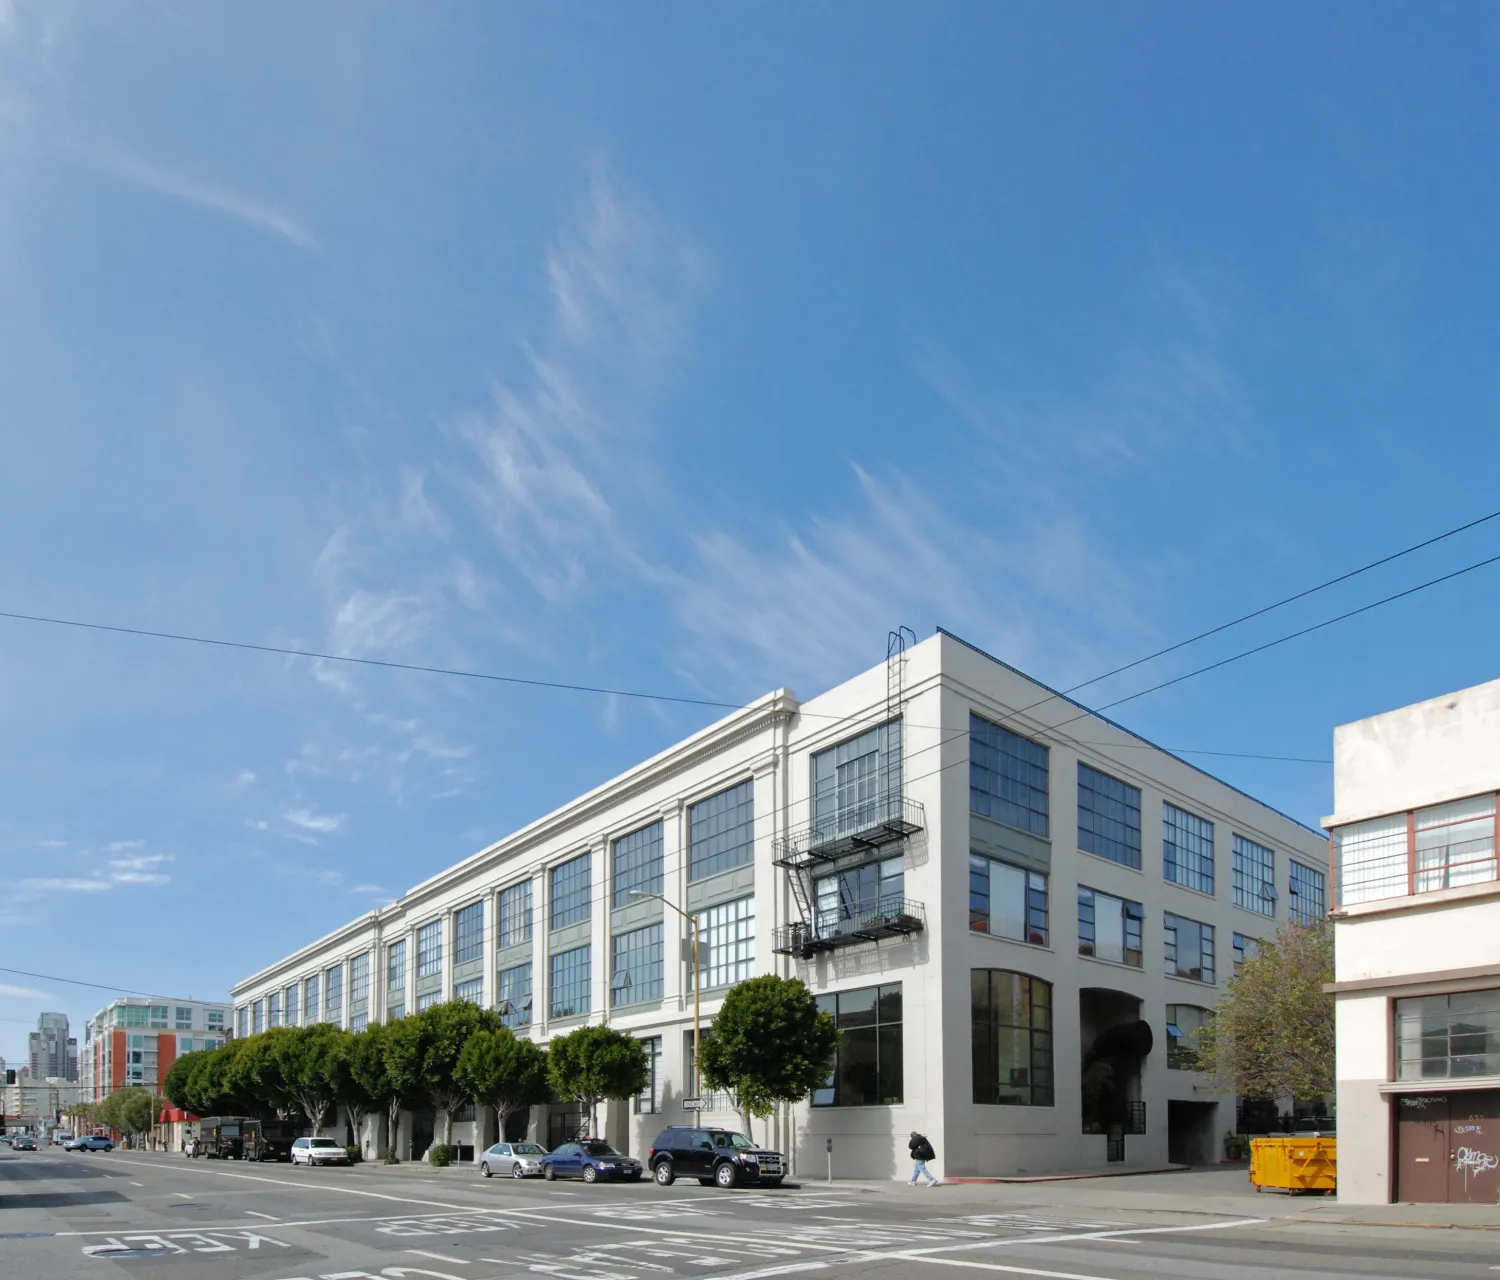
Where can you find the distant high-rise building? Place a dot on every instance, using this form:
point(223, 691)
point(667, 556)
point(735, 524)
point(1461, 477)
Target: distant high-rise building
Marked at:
point(51, 1053)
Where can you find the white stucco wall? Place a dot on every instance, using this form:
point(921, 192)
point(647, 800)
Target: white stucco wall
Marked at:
point(1427, 753)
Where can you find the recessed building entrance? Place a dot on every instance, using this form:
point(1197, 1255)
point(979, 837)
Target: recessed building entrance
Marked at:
point(1448, 1147)
point(1114, 1040)
point(1192, 1132)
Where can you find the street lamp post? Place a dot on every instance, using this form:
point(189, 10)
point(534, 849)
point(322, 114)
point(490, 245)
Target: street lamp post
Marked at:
point(693, 924)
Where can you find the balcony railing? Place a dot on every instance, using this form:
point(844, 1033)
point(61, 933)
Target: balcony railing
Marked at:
point(869, 824)
point(890, 917)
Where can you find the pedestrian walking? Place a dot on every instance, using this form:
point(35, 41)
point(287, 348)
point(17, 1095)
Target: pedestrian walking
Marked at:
point(921, 1152)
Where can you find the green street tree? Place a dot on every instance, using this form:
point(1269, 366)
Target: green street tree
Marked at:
point(769, 1043)
point(256, 1072)
point(445, 1029)
point(177, 1086)
point(363, 1083)
point(1271, 1035)
point(595, 1063)
point(213, 1085)
point(504, 1071)
point(306, 1066)
point(132, 1112)
point(401, 1051)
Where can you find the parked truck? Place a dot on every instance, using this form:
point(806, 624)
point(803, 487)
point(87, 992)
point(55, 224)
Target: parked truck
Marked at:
point(222, 1137)
point(269, 1139)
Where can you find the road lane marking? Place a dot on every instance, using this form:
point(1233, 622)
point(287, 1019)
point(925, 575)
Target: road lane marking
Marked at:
point(268, 1217)
point(442, 1257)
point(182, 1195)
point(1015, 1271)
point(136, 1184)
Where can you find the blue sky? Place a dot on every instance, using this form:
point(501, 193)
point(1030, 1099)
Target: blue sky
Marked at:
point(690, 348)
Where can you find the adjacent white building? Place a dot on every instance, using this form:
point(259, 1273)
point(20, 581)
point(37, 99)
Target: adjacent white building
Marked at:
point(1018, 911)
point(1417, 943)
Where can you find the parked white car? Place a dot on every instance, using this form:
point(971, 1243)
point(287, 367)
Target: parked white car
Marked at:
point(312, 1151)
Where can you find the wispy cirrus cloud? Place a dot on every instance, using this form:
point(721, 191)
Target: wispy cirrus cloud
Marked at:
point(305, 819)
point(119, 163)
point(134, 870)
point(23, 993)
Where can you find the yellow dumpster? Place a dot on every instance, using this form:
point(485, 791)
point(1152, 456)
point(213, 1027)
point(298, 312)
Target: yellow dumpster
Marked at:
point(1297, 1163)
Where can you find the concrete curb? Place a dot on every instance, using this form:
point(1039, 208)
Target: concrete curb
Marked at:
point(1077, 1177)
point(1379, 1222)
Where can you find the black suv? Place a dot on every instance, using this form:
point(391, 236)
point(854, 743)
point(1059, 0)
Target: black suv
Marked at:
point(712, 1156)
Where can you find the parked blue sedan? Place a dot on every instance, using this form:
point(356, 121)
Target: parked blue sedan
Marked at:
point(590, 1159)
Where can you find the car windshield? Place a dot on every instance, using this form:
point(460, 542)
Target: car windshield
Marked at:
point(528, 1149)
point(322, 1142)
point(736, 1140)
point(598, 1149)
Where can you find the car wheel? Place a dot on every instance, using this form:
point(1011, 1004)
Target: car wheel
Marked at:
point(484, 1168)
point(549, 1173)
point(664, 1174)
point(726, 1175)
point(590, 1174)
point(515, 1172)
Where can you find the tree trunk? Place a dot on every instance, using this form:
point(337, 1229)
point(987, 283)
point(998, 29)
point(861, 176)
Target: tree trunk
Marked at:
point(393, 1126)
point(447, 1125)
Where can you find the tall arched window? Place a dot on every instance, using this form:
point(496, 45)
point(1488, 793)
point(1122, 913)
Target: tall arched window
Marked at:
point(1012, 1038)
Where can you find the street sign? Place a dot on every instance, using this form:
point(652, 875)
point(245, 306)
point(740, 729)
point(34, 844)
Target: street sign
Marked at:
point(692, 1104)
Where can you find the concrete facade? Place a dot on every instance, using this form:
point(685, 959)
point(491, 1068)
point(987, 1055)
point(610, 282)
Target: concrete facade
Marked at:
point(775, 749)
point(1416, 923)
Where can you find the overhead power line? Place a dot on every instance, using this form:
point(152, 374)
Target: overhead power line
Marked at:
point(52, 977)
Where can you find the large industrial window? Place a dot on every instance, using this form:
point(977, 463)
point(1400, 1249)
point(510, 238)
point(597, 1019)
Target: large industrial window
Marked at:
point(1455, 843)
point(310, 998)
point(513, 995)
point(515, 914)
point(1109, 928)
point(867, 1068)
point(333, 987)
point(721, 831)
point(1109, 817)
point(273, 1009)
point(1371, 860)
point(637, 864)
point(1245, 948)
point(856, 782)
point(257, 1017)
point(572, 893)
point(1254, 876)
point(292, 993)
point(468, 933)
point(1007, 776)
point(1007, 902)
point(359, 992)
point(427, 999)
point(242, 1021)
point(569, 986)
point(430, 949)
point(1449, 1036)
point(1189, 948)
point(1187, 849)
point(395, 965)
point(726, 943)
point(648, 1100)
point(1011, 1028)
point(472, 991)
point(637, 975)
point(847, 898)
point(1308, 892)
point(1184, 1022)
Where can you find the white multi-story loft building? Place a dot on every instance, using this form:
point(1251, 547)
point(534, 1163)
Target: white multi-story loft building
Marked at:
point(1018, 911)
point(1417, 951)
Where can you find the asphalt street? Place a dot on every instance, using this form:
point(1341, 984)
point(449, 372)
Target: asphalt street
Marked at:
point(104, 1215)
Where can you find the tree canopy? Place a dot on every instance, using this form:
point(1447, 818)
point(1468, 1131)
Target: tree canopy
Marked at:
point(769, 1043)
point(504, 1071)
point(305, 1064)
point(1271, 1035)
point(594, 1063)
point(444, 1030)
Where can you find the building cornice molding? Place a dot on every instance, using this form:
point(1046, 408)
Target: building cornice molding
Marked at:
point(1400, 981)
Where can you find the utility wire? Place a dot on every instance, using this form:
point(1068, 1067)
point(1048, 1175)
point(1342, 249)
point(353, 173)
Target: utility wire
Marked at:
point(52, 977)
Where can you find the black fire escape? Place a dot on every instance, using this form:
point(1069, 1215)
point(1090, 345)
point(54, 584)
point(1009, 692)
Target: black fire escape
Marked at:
point(836, 844)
